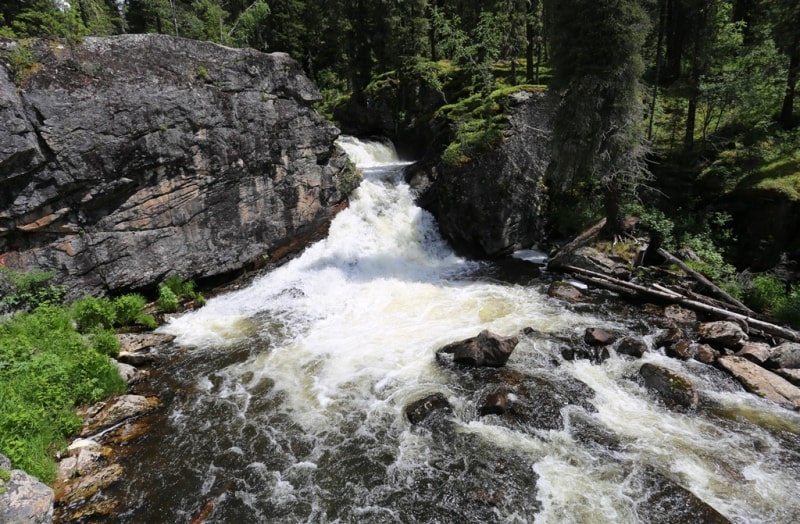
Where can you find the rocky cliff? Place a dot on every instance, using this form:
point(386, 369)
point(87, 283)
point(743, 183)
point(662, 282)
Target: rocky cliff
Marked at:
point(128, 158)
point(494, 202)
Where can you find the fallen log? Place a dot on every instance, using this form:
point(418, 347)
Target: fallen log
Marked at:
point(639, 291)
point(713, 288)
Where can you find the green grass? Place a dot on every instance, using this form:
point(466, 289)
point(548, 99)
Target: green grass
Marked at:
point(782, 176)
point(47, 369)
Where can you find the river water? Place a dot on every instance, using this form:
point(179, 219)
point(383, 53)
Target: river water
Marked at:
point(285, 400)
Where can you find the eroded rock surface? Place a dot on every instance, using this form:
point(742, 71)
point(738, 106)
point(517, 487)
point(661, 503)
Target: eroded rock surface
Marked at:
point(124, 159)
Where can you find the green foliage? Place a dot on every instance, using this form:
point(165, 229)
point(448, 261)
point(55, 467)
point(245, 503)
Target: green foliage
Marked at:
point(46, 369)
point(91, 312)
point(167, 299)
point(29, 290)
point(5, 476)
point(128, 309)
point(788, 310)
point(105, 342)
point(765, 293)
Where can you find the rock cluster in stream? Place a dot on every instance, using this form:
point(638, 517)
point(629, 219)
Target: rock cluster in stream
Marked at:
point(127, 158)
point(88, 465)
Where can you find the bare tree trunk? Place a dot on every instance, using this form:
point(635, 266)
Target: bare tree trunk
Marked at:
point(787, 110)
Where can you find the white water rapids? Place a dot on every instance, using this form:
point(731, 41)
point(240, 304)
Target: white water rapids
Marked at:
point(291, 405)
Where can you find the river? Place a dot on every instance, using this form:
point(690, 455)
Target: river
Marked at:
point(285, 400)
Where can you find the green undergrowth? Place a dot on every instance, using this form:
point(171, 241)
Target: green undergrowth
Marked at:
point(47, 369)
point(54, 357)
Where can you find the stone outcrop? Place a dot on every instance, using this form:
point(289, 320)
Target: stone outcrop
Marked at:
point(421, 409)
point(23, 498)
point(128, 158)
point(485, 350)
point(494, 203)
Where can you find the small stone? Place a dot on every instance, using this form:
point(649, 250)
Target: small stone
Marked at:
point(673, 388)
point(598, 337)
point(682, 349)
point(67, 469)
point(679, 314)
point(487, 349)
point(565, 291)
point(670, 337)
point(89, 461)
point(495, 404)
point(128, 372)
point(632, 347)
point(722, 333)
point(756, 352)
point(706, 354)
point(74, 449)
point(421, 409)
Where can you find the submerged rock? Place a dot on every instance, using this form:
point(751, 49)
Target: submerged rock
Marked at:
point(675, 389)
point(487, 349)
point(632, 347)
point(664, 501)
point(128, 158)
point(494, 404)
point(760, 381)
point(421, 409)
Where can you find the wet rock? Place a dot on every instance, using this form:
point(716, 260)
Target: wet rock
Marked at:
point(67, 470)
point(74, 449)
point(584, 428)
point(760, 381)
point(566, 291)
point(679, 314)
point(722, 333)
point(664, 501)
point(108, 414)
point(668, 338)
point(90, 461)
point(786, 356)
point(673, 388)
point(24, 499)
point(83, 488)
point(421, 409)
point(632, 347)
point(494, 404)
point(756, 352)
point(682, 349)
point(487, 349)
point(706, 354)
point(567, 353)
point(598, 337)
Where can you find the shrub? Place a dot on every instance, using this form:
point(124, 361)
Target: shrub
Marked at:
point(128, 309)
point(146, 320)
point(29, 290)
point(105, 342)
point(765, 294)
point(789, 309)
point(46, 369)
point(167, 299)
point(91, 312)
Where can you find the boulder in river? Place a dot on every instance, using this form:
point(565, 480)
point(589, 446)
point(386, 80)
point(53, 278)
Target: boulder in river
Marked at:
point(495, 403)
point(598, 337)
point(756, 352)
point(632, 347)
point(421, 409)
point(487, 349)
point(674, 389)
point(566, 291)
point(760, 381)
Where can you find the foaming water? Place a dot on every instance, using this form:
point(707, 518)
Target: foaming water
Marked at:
point(289, 405)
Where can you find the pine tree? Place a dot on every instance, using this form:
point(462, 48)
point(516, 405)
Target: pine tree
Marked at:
point(598, 132)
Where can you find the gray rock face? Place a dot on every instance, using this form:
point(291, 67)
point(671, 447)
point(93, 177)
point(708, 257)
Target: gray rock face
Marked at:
point(494, 203)
point(24, 499)
point(128, 158)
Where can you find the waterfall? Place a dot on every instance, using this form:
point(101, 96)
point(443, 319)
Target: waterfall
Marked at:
point(288, 403)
